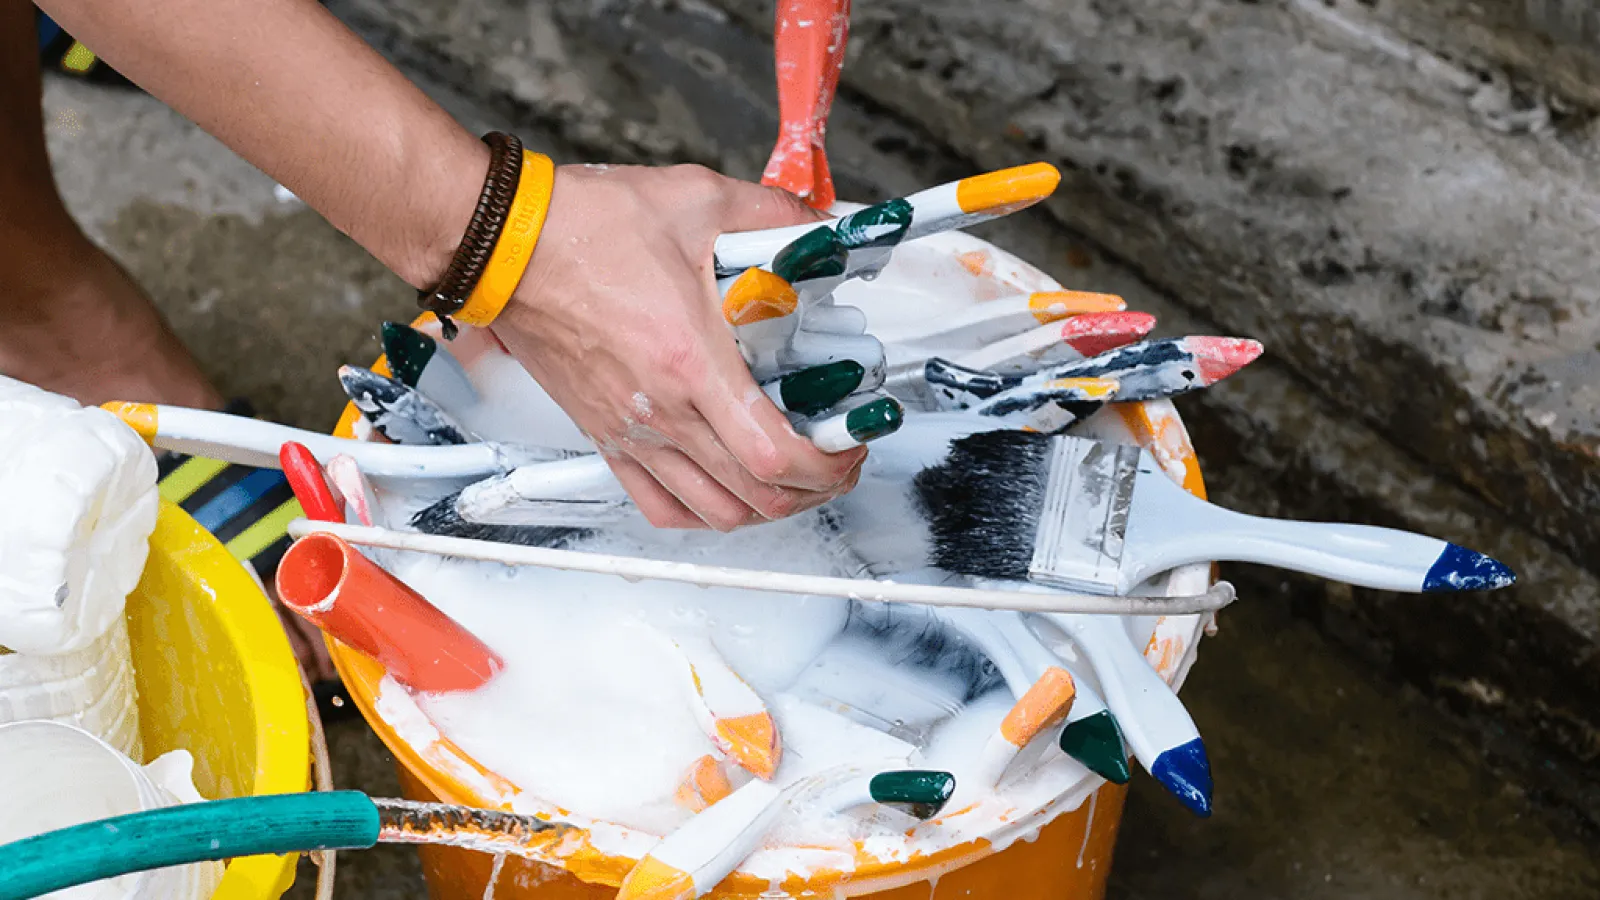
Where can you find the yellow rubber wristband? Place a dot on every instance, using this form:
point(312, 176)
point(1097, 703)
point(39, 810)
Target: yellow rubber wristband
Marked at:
point(515, 246)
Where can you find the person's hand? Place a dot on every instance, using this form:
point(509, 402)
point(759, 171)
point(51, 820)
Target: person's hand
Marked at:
point(618, 318)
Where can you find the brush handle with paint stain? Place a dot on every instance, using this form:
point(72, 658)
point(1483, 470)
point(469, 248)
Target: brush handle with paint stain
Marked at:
point(419, 361)
point(1154, 721)
point(1043, 694)
point(253, 442)
point(694, 859)
point(947, 207)
point(1023, 354)
point(398, 411)
point(729, 711)
point(806, 349)
point(1094, 733)
point(330, 584)
point(1003, 317)
point(813, 263)
point(808, 44)
point(1144, 371)
point(1086, 515)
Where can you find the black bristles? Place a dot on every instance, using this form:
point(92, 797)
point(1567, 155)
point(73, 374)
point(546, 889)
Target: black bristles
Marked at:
point(907, 634)
point(442, 518)
point(983, 502)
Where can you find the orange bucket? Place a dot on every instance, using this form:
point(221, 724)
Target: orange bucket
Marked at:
point(1057, 848)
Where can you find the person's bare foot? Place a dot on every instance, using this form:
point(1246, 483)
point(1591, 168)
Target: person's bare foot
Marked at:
point(76, 324)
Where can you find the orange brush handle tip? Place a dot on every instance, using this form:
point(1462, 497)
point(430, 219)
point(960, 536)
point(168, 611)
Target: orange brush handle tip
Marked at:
point(756, 296)
point(310, 487)
point(1046, 703)
point(704, 784)
point(1052, 306)
point(1007, 190)
point(752, 741)
point(333, 586)
point(141, 417)
point(653, 879)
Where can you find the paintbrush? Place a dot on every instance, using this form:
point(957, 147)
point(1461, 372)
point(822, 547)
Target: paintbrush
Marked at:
point(895, 669)
point(1043, 695)
point(419, 361)
point(693, 860)
point(351, 484)
point(806, 349)
point(808, 44)
point(729, 711)
point(1093, 734)
point(1096, 739)
point(1021, 354)
point(1143, 371)
point(947, 207)
point(638, 569)
point(1154, 721)
point(1003, 317)
point(1086, 515)
point(814, 262)
point(398, 411)
point(249, 826)
point(1075, 338)
point(581, 492)
point(253, 442)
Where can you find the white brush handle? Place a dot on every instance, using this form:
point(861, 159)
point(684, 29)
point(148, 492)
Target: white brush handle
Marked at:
point(1152, 717)
point(252, 442)
point(1038, 657)
point(1220, 595)
point(1168, 527)
point(977, 625)
point(578, 492)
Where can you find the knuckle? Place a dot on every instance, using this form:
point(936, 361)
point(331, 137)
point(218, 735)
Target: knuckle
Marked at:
point(769, 465)
point(780, 504)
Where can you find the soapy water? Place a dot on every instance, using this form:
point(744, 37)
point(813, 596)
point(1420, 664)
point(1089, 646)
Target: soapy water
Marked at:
point(591, 714)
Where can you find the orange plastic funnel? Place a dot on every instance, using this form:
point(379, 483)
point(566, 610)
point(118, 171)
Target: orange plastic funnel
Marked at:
point(331, 585)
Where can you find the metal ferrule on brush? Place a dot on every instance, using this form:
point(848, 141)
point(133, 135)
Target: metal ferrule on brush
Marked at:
point(1084, 520)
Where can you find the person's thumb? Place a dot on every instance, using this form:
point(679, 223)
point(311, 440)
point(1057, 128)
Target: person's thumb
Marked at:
point(752, 207)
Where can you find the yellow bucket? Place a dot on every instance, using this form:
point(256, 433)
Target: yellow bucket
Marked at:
point(216, 677)
point(1069, 858)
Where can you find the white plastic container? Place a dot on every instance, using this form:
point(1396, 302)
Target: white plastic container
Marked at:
point(91, 688)
point(54, 776)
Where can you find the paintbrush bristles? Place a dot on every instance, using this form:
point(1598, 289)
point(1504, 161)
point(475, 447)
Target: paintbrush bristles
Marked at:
point(987, 533)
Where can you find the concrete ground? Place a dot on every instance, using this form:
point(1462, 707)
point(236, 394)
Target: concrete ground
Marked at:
point(1332, 783)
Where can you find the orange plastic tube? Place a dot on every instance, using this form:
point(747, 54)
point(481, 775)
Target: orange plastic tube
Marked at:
point(808, 42)
point(331, 585)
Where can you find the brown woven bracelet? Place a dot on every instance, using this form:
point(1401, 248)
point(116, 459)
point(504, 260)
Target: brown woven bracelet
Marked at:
point(488, 219)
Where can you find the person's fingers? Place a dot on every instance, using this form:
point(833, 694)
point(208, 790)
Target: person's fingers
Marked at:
point(695, 488)
point(771, 501)
point(658, 505)
point(763, 441)
point(751, 207)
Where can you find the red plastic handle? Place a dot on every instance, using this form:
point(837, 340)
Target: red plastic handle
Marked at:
point(809, 40)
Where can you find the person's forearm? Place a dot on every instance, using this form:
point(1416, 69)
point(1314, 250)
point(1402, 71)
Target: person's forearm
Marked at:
point(289, 88)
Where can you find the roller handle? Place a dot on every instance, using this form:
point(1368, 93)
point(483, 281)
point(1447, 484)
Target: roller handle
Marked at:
point(177, 835)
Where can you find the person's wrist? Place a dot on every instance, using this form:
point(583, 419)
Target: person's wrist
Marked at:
point(446, 189)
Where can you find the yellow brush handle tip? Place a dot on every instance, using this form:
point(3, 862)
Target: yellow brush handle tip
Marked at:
point(141, 417)
point(1007, 190)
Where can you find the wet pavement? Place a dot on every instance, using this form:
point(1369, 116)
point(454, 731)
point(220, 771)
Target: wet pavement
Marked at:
point(1331, 782)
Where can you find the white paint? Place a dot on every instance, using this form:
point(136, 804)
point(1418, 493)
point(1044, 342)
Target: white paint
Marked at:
point(580, 679)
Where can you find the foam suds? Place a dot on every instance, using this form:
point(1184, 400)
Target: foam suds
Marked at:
point(593, 718)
